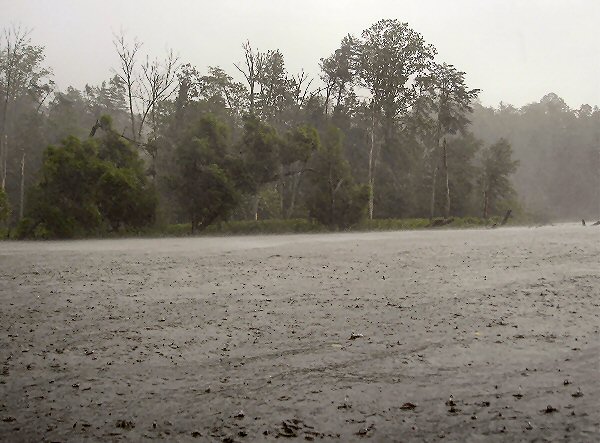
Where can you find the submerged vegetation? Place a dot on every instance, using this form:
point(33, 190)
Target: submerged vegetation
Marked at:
point(390, 138)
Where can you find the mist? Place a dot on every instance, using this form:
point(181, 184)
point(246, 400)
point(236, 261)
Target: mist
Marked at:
point(365, 131)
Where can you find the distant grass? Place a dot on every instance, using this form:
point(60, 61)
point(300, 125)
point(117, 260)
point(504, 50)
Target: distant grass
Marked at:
point(274, 226)
point(292, 226)
point(395, 224)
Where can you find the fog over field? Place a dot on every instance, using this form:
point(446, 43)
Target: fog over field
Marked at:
point(333, 113)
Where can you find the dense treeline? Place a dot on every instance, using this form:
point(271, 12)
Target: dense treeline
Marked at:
point(387, 131)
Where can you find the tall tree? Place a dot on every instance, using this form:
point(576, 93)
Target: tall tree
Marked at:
point(260, 148)
point(338, 72)
point(391, 59)
point(450, 101)
point(25, 84)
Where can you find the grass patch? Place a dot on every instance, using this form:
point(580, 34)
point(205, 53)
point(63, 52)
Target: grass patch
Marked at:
point(292, 226)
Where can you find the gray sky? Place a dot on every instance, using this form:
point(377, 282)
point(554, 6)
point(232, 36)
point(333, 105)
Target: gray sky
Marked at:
point(516, 51)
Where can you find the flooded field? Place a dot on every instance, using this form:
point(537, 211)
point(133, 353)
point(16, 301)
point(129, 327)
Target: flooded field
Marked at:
point(474, 335)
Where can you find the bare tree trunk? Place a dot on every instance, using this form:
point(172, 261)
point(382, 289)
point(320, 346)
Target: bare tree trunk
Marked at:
point(372, 166)
point(327, 98)
point(131, 115)
point(3, 157)
point(282, 185)
point(295, 186)
point(255, 206)
point(3, 133)
point(253, 65)
point(485, 204)
point(445, 157)
point(127, 58)
point(22, 199)
point(433, 185)
point(4, 138)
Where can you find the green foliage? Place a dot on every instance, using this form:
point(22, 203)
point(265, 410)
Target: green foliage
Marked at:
point(401, 224)
point(222, 150)
point(204, 185)
point(260, 150)
point(390, 56)
point(82, 192)
point(273, 226)
point(300, 143)
point(4, 206)
point(333, 199)
point(125, 199)
point(498, 165)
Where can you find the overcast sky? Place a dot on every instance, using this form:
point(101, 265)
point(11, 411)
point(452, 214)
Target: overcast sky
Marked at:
point(516, 51)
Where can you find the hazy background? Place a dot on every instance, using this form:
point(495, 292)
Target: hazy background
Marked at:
point(515, 51)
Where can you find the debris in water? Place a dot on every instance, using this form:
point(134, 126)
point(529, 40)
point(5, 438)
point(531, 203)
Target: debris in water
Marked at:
point(125, 424)
point(365, 431)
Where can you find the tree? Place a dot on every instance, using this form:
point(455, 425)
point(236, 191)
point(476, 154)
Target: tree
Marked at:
point(298, 146)
point(338, 72)
point(271, 90)
point(220, 89)
point(275, 87)
point(260, 149)
point(125, 197)
point(24, 86)
point(106, 99)
point(450, 103)
point(89, 187)
point(204, 186)
point(62, 204)
point(333, 199)
point(391, 59)
point(127, 72)
point(253, 62)
point(147, 86)
point(498, 165)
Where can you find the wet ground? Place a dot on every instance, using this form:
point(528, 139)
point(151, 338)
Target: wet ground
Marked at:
point(454, 335)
